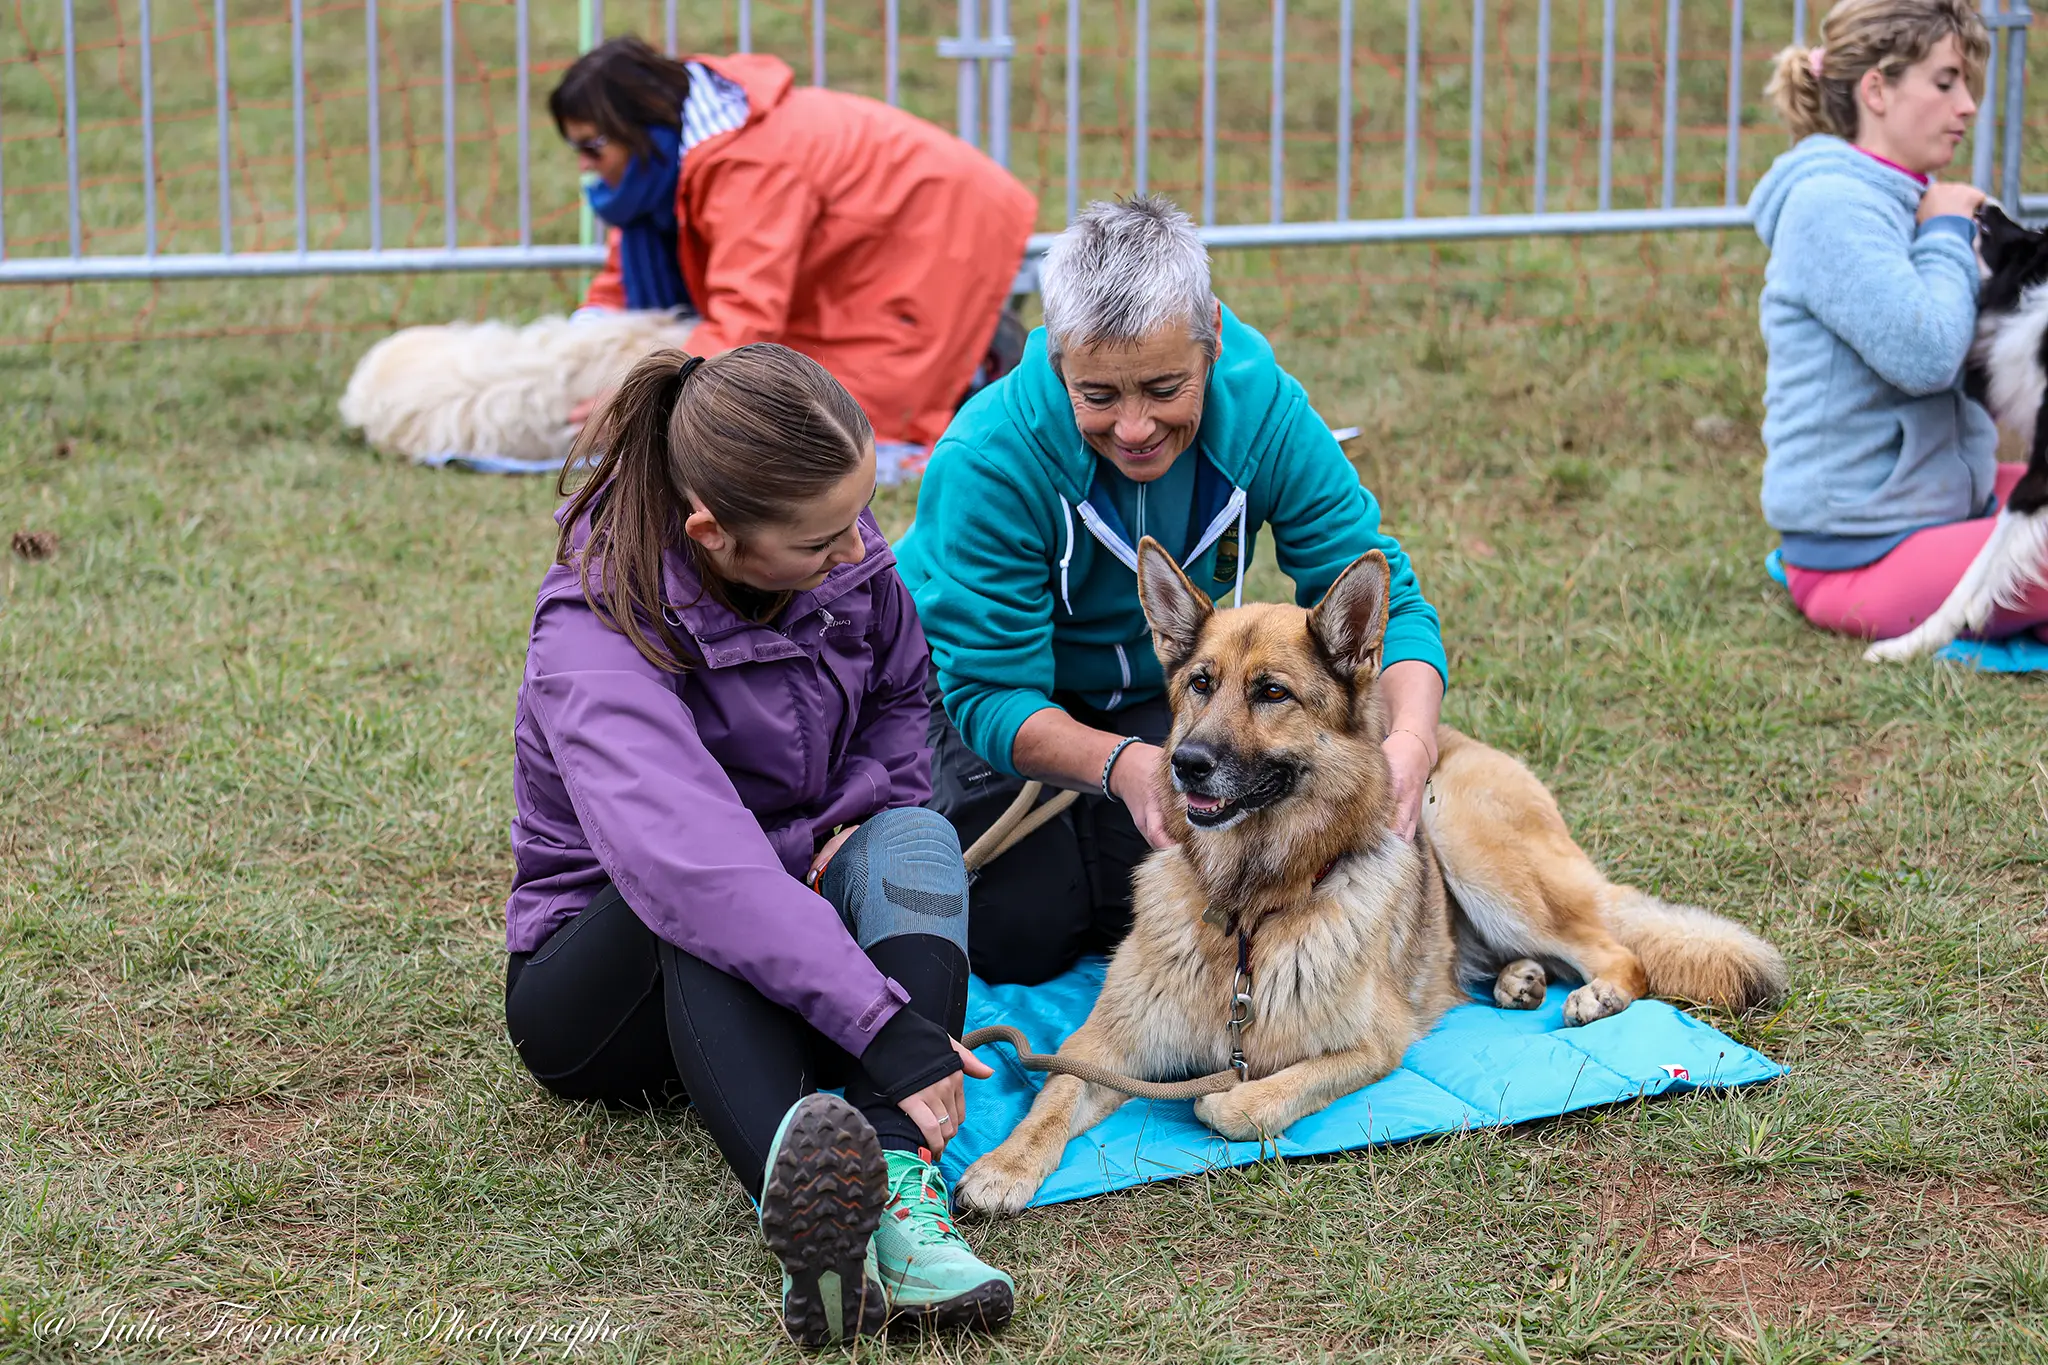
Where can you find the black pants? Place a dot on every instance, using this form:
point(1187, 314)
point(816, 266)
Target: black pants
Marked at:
point(605, 1010)
point(1065, 890)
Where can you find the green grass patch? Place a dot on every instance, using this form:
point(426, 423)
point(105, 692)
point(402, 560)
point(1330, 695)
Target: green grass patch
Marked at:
point(255, 719)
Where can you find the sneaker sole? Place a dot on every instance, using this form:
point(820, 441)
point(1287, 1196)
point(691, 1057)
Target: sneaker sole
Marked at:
point(984, 1308)
point(819, 1207)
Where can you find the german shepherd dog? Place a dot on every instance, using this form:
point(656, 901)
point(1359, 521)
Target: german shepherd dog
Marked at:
point(1355, 940)
point(2008, 373)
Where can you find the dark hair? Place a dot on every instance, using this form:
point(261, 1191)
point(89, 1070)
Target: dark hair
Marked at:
point(750, 435)
point(623, 87)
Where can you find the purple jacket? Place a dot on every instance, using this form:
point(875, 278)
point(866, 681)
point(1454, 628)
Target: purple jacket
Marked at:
point(704, 795)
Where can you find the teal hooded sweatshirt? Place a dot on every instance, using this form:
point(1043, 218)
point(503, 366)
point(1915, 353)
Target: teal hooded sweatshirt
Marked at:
point(1025, 576)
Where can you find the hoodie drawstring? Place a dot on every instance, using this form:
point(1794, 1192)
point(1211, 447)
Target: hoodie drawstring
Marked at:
point(1067, 511)
point(1243, 507)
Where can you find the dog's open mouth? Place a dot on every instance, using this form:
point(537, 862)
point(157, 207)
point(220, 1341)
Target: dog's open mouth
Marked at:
point(1206, 811)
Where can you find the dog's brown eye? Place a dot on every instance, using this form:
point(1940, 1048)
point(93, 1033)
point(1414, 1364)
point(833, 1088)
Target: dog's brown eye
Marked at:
point(1274, 692)
point(1199, 684)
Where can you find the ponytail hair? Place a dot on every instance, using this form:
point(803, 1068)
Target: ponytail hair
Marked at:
point(748, 436)
point(1815, 88)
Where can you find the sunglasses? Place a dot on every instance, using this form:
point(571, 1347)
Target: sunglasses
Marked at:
point(591, 146)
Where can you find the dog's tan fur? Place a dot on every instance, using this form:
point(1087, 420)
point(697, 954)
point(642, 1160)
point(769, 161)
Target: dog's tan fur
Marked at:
point(489, 388)
point(1348, 971)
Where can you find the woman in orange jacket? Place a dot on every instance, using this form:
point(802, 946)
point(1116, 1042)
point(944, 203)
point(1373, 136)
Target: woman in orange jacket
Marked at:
point(874, 242)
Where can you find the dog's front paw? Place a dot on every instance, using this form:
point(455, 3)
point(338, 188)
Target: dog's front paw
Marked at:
point(1594, 1000)
point(1234, 1114)
point(1003, 1181)
point(1894, 651)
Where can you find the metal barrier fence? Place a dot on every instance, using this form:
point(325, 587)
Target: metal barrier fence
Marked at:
point(1183, 99)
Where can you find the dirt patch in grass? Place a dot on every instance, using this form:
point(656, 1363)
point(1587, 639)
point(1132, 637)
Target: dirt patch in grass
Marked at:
point(1909, 1235)
point(271, 1127)
point(1781, 1284)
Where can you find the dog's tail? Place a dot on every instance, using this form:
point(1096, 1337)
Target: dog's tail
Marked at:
point(1694, 954)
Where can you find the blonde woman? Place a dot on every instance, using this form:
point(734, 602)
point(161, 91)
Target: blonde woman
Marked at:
point(1880, 473)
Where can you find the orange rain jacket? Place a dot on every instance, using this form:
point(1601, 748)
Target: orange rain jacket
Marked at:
point(874, 242)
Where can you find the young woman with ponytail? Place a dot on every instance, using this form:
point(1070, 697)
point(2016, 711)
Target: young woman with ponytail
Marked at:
point(725, 885)
point(1880, 473)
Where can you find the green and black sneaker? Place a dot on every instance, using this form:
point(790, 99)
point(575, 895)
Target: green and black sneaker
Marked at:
point(821, 1198)
point(933, 1278)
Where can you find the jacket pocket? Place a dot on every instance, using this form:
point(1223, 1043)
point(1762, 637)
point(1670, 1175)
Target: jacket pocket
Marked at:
point(1929, 480)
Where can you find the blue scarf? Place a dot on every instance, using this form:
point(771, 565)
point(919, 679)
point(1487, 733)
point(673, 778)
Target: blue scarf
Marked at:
point(642, 206)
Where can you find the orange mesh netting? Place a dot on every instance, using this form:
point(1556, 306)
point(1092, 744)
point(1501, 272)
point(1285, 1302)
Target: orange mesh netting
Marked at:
point(1307, 292)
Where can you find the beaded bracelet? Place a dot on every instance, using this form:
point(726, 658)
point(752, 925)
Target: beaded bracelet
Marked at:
point(1114, 754)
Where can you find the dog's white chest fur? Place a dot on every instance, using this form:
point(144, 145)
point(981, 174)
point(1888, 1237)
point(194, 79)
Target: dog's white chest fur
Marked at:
point(2014, 559)
point(2008, 348)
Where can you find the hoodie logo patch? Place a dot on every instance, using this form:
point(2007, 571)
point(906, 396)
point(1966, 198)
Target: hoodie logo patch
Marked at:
point(1226, 557)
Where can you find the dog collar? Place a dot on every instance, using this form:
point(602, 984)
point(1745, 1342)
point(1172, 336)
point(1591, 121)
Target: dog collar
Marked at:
point(1240, 1017)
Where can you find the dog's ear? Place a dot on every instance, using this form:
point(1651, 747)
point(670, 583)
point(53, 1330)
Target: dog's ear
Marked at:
point(1350, 623)
point(1175, 608)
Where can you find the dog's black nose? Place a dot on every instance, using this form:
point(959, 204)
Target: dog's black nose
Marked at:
point(1193, 764)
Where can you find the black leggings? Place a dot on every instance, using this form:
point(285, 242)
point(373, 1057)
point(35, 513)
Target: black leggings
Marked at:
point(605, 1010)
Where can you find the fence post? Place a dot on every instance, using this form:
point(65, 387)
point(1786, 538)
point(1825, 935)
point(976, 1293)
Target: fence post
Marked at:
point(1984, 137)
point(2019, 16)
point(1073, 94)
point(999, 81)
point(969, 95)
point(71, 129)
point(587, 35)
point(1141, 80)
point(971, 49)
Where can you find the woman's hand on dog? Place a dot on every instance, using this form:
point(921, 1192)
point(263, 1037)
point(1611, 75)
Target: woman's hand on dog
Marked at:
point(938, 1108)
point(1947, 198)
point(1135, 780)
point(1410, 760)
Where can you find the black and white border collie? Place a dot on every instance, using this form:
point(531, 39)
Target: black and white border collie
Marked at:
point(2008, 373)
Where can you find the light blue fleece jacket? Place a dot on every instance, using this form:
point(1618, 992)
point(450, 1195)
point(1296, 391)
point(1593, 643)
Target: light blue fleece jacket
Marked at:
point(1868, 436)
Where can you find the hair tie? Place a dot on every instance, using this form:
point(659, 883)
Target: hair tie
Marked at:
point(1814, 58)
point(687, 368)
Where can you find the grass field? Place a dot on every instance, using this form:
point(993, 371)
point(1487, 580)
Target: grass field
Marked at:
point(254, 731)
point(254, 720)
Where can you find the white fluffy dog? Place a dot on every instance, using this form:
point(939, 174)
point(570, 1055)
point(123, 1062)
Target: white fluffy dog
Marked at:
point(488, 388)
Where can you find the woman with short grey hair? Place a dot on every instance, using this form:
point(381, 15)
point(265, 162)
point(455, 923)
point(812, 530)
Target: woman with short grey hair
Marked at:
point(1121, 272)
point(1142, 407)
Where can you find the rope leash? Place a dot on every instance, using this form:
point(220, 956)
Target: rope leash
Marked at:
point(1211, 1084)
point(1015, 825)
point(1006, 832)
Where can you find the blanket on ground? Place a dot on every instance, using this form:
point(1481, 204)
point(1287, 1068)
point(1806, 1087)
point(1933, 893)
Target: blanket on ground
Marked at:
point(1480, 1067)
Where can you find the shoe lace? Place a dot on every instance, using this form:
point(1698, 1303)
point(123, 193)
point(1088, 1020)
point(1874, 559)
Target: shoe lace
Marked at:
point(919, 1200)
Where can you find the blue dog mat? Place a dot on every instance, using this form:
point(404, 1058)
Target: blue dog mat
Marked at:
point(2014, 654)
point(1478, 1068)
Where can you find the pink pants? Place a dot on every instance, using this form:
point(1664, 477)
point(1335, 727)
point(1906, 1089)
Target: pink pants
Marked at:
point(1886, 599)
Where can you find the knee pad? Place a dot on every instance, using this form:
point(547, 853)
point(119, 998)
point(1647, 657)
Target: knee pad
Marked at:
point(900, 873)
